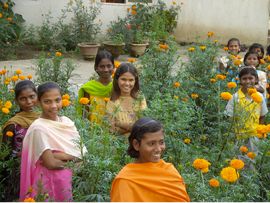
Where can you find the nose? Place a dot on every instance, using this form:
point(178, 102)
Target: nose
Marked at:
point(28, 100)
point(53, 105)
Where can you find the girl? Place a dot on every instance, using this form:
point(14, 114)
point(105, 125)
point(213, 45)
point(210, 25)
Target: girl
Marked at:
point(26, 98)
point(256, 47)
point(149, 178)
point(252, 59)
point(247, 113)
point(97, 90)
point(48, 144)
point(126, 103)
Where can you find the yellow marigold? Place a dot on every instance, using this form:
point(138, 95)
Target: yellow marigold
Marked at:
point(8, 104)
point(12, 90)
point(65, 102)
point(131, 60)
point(66, 96)
point(133, 7)
point(212, 80)
point(215, 41)
point(237, 62)
point(84, 100)
point(237, 164)
point(194, 96)
point(58, 54)
point(251, 155)
point(106, 99)
point(191, 49)
point(22, 77)
point(231, 85)
point(29, 199)
point(205, 170)
point(1, 15)
point(262, 61)
point(177, 84)
point(251, 90)
point(133, 12)
point(7, 82)
point(187, 141)
point(14, 78)
point(200, 164)
point(256, 97)
point(229, 174)
point(5, 110)
point(175, 97)
point(268, 67)
point(267, 58)
point(9, 19)
point(225, 48)
point(214, 182)
point(9, 133)
point(117, 64)
point(226, 95)
point(163, 46)
point(202, 48)
point(210, 34)
point(18, 71)
point(185, 99)
point(4, 71)
point(220, 77)
point(5, 6)
point(243, 149)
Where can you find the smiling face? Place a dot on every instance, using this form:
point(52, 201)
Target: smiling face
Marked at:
point(252, 60)
point(234, 47)
point(126, 83)
point(248, 81)
point(27, 100)
point(151, 147)
point(105, 68)
point(51, 103)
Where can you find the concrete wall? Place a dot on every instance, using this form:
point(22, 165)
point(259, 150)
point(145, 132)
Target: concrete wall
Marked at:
point(244, 19)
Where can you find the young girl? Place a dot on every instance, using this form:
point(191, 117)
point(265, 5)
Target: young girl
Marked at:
point(26, 99)
point(252, 59)
point(49, 143)
point(97, 90)
point(258, 48)
point(149, 178)
point(247, 114)
point(125, 103)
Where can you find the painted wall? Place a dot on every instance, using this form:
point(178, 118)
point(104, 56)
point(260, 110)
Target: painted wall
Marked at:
point(244, 19)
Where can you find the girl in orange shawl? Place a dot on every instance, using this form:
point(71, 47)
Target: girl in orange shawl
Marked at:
point(149, 178)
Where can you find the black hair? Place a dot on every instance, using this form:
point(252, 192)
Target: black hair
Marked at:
point(45, 87)
point(268, 50)
point(123, 68)
point(248, 70)
point(256, 46)
point(22, 85)
point(232, 40)
point(249, 53)
point(140, 127)
point(103, 54)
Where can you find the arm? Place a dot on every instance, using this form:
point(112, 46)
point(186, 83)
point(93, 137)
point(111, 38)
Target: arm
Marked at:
point(50, 162)
point(63, 156)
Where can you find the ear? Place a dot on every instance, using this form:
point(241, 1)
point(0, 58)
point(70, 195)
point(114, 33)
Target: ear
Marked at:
point(136, 144)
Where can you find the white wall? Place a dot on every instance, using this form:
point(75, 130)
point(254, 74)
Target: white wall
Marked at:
point(244, 19)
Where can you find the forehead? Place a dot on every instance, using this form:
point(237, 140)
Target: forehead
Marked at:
point(127, 75)
point(51, 94)
point(248, 75)
point(252, 56)
point(26, 91)
point(233, 43)
point(105, 61)
point(159, 135)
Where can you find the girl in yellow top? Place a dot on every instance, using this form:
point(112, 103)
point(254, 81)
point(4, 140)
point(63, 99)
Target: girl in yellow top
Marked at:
point(125, 105)
point(97, 90)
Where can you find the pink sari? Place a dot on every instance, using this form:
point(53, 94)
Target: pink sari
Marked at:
point(46, 134)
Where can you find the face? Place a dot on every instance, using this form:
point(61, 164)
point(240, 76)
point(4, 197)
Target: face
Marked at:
point(248, 81)
point(126, 83)
point(51, 104)
point(234, 47)
point(252, 60)
point(151, 147)
point(105, 68)
point(27, 100)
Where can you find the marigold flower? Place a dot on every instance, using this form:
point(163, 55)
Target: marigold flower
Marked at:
point(8, 104)
point(243, 149)
point(175, 97)
point(7, 82)
point(187, 141)
point(225, 48)
point(251, 90)
point(128, 9)
point(184, 99)
point(226, 95)
point(267, 58)
point(205, 170)
point(133, 7)
point(229, 174)
point(106, 99)
point(22, 77)
point(220, 77)
point(14, 78)
point(9, 133)
point(262, 61)
point(65, 102)
point(194, 96)
point(29, 77)
point(214, 182)
point(212, 80)
point(84, 100)
point(262, 131)
point(256, 97)
point(1, 15)
point(5, 6)
point(215, 41)
point(18, 71)
point(133, 12)
point(231, 85)
point(131, 60)
point(66, 96)
point(5, 110)
point(9, 19)
point(237, 62)
point(4, 71)
point(251, 155)
point(58, 54)
point(163, 46)
point(237, 164)
point(210, 34)
point(268, 67)
point(201, 164)
point(12, 90)
point(202, 48)
point(29, 199)
point(191, 49)
point(177, 84)
point(117, 64)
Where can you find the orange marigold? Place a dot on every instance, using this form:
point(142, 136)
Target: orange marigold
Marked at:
point(268, 67)
point(18, 71)
point(29, 77)
point(117, 64)
point(220, 77)
point(226, 95)
point(243, 149)
point(5, 110)
point(131, 60)
point(251, 90)
point(29, 199)
point(177, 84)
point(205, 170)
point(84, 100)
point(163, 46)
point(201, 164)
point(231, 85)
point(8, 104)
point(237, 164)
point(58, 54)
point(106, 99)
point(133, 7)
point(9, 133)
point(9, 19)
point(1, 15)
point(237, 62)
point(214, 182)
point(22, 77)
point(225, 48)
point(251, 155)
point(256, 97)
point(212, 80)
point(194, 96)
point(229, 174)
point(210, 34)
point(262, 61)
point(14, 78)
point(133, 12)
point(65, 102)
point(66, 96)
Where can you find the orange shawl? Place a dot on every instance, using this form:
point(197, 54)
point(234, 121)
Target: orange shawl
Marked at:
point(149, 182)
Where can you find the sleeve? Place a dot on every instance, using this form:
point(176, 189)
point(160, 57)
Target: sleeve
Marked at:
point(121, 191)
point(264, 109)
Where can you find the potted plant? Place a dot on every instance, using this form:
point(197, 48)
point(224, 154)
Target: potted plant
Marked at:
point(115, 45)
point(138, 44)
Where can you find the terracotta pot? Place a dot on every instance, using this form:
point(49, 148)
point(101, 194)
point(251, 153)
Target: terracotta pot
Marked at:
point(88, 50)
point(137, 49)
point(115, 49)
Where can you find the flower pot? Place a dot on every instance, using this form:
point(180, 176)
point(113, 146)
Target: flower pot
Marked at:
point(115, 49)
point(88, 50)
point(137, 49)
